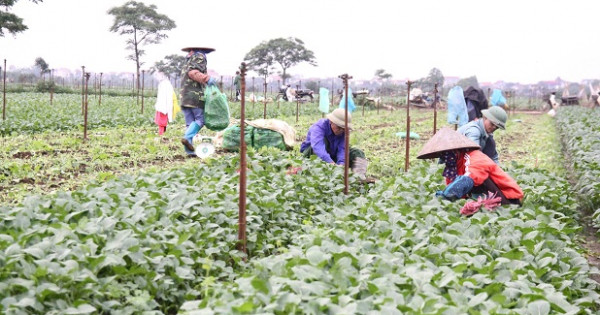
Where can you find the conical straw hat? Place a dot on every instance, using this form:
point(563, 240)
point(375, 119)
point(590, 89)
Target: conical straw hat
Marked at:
point(445, 139)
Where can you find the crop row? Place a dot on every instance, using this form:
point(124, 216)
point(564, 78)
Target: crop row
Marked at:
point(580, 133)
point(154, 241)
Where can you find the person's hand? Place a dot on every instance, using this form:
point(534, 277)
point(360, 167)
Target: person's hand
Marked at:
point(211, 81)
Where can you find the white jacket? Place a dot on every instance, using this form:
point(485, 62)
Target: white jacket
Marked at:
point(164, 99)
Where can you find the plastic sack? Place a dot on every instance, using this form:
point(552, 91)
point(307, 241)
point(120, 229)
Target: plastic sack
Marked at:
point(216, 109)
point(457, 108)
point(231, 137)
point(268, 138)
point(497, 98)
point(351, 106)
point(324, 100)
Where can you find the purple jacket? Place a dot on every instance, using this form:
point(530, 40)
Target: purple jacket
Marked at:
point(315, 138)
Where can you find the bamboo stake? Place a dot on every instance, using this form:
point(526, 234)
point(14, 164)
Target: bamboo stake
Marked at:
point(242, 201)
point(85, 102)
point(435, 93)
point(345, 78)
point(4, 93)
point(406, 164)
point(143, 72)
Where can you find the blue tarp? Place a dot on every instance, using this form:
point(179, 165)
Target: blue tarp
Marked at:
point(351, 106)
point(497, 98)
point(457, 108)
point(324, 100)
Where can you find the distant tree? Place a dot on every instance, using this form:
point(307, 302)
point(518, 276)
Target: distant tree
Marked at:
point(312, 85)
point(466, 82)
point(10, 22)
point(286, 52)
point(382, 75)
point(41, 64)
point(427, 84)
point(170, 66)
point(144, 26)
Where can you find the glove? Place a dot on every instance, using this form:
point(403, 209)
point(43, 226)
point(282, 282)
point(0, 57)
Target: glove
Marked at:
point(461, 186)
point(211, 81)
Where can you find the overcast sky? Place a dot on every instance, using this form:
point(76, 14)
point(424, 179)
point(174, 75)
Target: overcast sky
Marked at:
point(516, 41)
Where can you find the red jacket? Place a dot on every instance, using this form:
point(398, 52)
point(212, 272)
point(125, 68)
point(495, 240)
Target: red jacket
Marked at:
point(479, 167)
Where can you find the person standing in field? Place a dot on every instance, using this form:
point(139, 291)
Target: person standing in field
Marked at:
point(237, 82)
point(166, 105)
point(326, 139)
point(194, 80)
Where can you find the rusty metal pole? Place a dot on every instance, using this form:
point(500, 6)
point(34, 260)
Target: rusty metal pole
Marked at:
point(408, 83)
point(297, 103)
point(143, 72)
point(242, 201)
point(265, 100)
point(4, 93)
point(278, 98)
point(82, 89)
point(232, 88)
point(100, 90)
point(345, 78)
point(435, 93)
point(85, 102)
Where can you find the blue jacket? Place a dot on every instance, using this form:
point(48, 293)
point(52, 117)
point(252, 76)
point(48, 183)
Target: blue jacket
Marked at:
point(475, 131)
point(317, 133)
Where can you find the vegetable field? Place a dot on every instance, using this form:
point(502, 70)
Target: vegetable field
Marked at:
point(123, 223)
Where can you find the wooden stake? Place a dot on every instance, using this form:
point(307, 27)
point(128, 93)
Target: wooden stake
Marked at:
point(345, 78)
point(242, 201)
point(406, 162)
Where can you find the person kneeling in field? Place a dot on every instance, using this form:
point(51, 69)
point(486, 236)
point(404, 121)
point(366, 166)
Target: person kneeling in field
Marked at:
point(325, 138)
point(468, 170)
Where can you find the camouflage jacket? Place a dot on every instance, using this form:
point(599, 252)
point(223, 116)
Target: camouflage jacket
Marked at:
point(192, 92)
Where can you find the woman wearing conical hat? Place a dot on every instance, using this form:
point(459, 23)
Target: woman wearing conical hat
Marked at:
point(468, 170)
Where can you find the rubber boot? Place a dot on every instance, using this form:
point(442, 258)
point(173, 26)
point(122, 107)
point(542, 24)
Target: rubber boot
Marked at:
point(188, 138)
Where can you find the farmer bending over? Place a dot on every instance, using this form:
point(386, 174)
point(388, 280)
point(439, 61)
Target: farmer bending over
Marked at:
point(325, 138)
point(468, 170)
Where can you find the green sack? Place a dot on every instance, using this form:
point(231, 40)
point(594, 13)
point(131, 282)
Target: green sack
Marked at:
point(231, 137)
point(268, 138)
point(216, 109)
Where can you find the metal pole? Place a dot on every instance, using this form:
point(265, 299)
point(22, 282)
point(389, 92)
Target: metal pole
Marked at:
point(143, 72)
point(345, 78)
point(4, 93)
point(82, 90)
point(265, 100)
point(85, 102)
point(100, 89)
point(297, 103)
point(435, 93)
point(242, 197)
point(408, 83)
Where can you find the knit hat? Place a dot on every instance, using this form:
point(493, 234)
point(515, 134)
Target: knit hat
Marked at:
point(337, 117)
point(496, 115)
point(445, 139)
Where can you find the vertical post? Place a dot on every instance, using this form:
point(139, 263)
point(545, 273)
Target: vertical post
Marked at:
point(85, 102)
point(242, 186)
point(253, 96)
point(143, 72)
point(4, 93)
point(435, 94)
point(318, 92)
point(279, 98)
point(232, 88)
point(265, 100)
point(82, 90)
point(408, 83)
point(297, 103)
point(100, 89)
point(221, 83)
point(51, 86)
point(345, 78)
